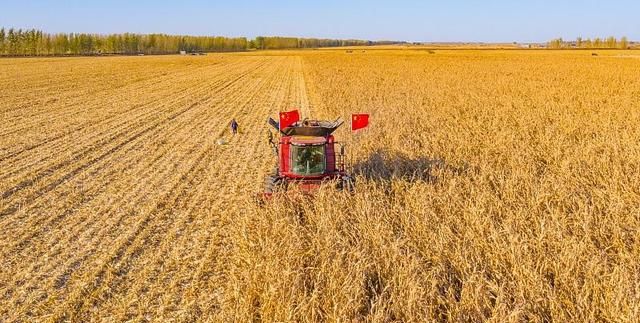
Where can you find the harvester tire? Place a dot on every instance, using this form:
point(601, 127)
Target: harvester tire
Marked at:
point(347, 184)
point(272, 184)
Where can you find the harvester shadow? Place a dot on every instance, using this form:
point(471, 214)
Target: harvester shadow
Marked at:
point(384, 166)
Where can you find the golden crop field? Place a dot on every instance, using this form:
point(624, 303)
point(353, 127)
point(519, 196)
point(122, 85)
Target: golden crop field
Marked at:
point(491, 185)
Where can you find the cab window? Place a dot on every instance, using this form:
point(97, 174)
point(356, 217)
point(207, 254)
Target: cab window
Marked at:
point(307, 160)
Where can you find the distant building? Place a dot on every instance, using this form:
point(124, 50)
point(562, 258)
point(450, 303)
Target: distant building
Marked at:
point(183, 52)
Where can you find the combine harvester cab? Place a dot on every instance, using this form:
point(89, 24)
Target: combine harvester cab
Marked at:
point(306, 156)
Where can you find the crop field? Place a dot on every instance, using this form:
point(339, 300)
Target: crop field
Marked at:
point(495, 185)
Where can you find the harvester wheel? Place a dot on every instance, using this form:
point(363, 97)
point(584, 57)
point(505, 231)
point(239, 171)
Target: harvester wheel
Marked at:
point(272, 184)
point(348, 184)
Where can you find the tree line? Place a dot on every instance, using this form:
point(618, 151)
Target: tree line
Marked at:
point(33, 42)
point(262, 42)
point(596, 43)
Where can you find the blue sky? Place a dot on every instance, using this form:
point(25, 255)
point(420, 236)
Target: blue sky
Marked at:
point(412, 20)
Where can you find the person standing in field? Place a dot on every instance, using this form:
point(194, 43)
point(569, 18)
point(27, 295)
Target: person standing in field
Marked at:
point(234, 126)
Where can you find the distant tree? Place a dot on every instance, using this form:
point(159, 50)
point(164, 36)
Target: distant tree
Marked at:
point(597, 43)
point(40, 42)
point(85, 44)
point(587, 43)
point(556, 43)
point(33, 42)
point(48, 45)
point(28, 42)
point(61, 44)
point(624, 43)
point(260, 42)
point(151, 44)
point(2, 40)
point(611, 42)
point(12, 40)
point(579, 42)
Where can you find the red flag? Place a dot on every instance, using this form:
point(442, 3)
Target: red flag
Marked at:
point(288, 118)
point(359, 121)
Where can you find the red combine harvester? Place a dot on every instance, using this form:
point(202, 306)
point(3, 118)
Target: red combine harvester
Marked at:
point(306, 152)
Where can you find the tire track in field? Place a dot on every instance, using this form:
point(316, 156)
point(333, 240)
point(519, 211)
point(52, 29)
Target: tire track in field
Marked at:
point(66, 107)
point(301, 87)
point(48, 172)
point(154, 233)
point(100, 135)
point(168, 277)
point(223, 87)
point(43, 82)
point(169, 238)
point(145, 105)
point(228, 251)
point(127, 112)
point(29, 182)
point(140, 237)
point(37, 280)
point(48, 224)
point(59, 113)
point(122, 96)
point(208, 278)
point(74, 305)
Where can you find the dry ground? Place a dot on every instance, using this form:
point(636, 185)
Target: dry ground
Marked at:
point(492, 185)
